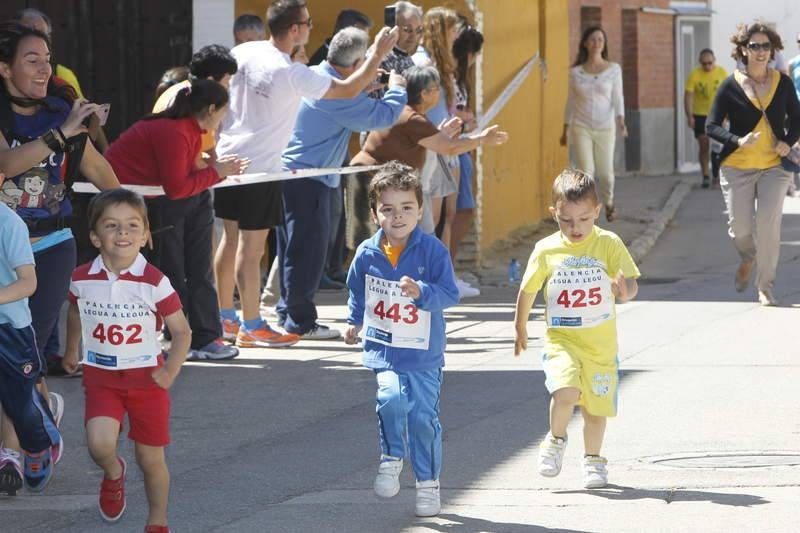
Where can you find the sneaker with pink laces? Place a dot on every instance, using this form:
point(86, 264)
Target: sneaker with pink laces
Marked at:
point(264, 337)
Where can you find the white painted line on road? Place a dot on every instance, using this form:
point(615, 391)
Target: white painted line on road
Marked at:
point(26, 502)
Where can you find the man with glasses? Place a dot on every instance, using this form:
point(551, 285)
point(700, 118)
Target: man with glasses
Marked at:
point(265, 95)
point(409, 22)
point(699, 91)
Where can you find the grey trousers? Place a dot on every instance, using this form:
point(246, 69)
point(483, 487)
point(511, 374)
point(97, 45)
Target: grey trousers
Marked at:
point(756, 231)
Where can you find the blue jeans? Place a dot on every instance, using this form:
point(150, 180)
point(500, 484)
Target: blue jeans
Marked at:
point(54, 266)
point(407, 404)
point(302, 248)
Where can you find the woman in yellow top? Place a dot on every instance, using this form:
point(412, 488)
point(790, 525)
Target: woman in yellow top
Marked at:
point(764, 114)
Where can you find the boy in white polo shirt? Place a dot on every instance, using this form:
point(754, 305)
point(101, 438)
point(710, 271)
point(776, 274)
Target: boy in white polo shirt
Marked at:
point(118, 303)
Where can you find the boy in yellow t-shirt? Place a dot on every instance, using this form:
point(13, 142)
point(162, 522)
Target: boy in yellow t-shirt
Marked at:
point(584, 270)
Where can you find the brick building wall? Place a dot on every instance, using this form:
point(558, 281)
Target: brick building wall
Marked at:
point(644, 45)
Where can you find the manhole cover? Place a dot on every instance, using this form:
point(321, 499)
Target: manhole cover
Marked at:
point(727, 460)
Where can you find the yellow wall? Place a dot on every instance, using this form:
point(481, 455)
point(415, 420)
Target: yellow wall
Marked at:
point(514, 186)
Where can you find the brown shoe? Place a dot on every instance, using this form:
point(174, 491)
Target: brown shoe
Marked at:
point(742, 278)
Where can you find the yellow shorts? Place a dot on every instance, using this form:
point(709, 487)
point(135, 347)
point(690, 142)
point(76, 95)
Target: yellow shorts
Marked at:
point(597, 382)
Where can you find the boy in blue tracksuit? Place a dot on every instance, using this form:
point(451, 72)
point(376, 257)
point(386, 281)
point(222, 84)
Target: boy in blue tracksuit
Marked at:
point(20, 363)
point(400, 282)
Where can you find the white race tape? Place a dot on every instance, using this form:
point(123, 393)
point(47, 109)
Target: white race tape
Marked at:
point(242, 179)
point(507, 93)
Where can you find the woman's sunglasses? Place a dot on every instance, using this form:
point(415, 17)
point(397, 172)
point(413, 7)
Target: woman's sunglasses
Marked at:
point(759, 46)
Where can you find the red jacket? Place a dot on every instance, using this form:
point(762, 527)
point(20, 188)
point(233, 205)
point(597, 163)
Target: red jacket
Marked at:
point(162, 151)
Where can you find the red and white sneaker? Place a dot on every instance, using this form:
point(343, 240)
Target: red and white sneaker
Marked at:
point(112, 495)
point(265, 337)
point(153, 528)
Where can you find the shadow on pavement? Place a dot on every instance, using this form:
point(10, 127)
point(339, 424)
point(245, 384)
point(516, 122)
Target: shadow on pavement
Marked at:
point(468, 524)
point(618, 492)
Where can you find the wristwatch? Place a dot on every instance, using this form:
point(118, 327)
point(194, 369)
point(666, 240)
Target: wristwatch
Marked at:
point(51, 141)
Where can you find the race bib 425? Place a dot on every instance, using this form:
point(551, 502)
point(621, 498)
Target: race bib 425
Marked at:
point(579, 298)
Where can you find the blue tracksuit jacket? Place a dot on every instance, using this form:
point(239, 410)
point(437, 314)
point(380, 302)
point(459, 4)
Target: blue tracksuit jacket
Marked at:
point(426, 261)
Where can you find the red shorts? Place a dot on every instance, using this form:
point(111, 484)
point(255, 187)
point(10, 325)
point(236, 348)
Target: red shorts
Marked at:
point(147, 408)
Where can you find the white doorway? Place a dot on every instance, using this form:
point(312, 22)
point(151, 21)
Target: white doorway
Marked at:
point(692, 34)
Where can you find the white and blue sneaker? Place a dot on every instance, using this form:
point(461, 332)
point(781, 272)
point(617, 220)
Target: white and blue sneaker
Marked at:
point(213, 351)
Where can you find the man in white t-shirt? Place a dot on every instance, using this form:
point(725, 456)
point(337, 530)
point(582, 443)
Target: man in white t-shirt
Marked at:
point(265, 94)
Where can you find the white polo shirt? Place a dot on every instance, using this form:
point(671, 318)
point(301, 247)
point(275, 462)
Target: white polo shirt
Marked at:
point(265, 94)
point(122, 315)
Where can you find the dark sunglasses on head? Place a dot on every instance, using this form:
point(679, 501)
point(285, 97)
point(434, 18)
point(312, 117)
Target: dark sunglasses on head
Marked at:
point(759, 46)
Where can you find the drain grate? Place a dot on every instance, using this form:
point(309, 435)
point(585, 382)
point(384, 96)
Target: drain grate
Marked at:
point(727, 460)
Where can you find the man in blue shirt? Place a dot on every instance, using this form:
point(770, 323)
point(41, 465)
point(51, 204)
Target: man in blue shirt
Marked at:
point(320, 139)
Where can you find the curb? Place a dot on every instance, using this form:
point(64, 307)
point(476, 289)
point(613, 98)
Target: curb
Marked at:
point(642, 244)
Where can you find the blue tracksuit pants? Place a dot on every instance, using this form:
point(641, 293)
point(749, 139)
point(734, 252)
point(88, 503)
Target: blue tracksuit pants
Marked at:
point(20, 363)
point(408, 418)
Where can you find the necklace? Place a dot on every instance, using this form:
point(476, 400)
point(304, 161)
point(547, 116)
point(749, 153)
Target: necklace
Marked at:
point(756, 81)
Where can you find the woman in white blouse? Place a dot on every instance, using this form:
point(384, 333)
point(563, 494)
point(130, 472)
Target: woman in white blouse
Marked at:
point(594, 105)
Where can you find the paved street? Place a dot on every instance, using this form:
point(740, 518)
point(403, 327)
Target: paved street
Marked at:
point(285, 440)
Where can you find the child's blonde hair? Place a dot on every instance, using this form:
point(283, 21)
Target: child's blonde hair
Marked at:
point(574, 185)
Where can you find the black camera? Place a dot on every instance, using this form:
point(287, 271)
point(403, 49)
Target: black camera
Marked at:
point(383, 78)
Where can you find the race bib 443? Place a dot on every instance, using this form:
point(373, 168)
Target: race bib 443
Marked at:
point(579, 297)
point(391, 318)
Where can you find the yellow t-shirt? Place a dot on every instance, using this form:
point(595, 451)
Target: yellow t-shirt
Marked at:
point(703, 86)
point(166, 99)
point(576, 277)
point(392, 252)
point(761, 154)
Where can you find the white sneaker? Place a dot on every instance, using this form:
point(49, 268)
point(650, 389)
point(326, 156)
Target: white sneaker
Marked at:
point(595, 472)
point(551, 455)
point(387, 482)
point(465, 290)
point(427, 503)
point(56, 403)
point(321, 333)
